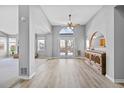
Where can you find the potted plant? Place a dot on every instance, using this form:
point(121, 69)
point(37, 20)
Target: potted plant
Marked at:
point(13, 49)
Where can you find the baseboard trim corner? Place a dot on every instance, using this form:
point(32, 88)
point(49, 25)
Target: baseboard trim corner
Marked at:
point(110, 78)
point(27, 77)
point(119, 80)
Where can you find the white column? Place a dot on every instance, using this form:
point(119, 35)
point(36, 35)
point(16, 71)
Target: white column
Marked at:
point(26, 44)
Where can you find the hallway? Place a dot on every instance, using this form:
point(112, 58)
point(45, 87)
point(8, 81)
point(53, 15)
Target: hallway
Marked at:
point(65, 73)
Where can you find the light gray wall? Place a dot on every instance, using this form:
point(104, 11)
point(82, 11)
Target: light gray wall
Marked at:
point(79, 39)
point(49, 45)
point(119, 43)
point(31, 41)
point(103, 22)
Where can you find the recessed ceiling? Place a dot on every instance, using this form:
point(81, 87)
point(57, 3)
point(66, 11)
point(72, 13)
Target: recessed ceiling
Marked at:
point(81, 14)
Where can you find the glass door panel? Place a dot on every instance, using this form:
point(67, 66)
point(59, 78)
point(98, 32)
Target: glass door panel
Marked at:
point(62, 47)
point(66, 48)
point(69, 47)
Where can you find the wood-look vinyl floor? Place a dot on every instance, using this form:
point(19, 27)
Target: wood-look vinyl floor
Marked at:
point(65, 73)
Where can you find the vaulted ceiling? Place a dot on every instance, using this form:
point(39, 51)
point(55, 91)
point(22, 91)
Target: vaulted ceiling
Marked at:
point(58, 14)
point(42, 15)
point(9, 19)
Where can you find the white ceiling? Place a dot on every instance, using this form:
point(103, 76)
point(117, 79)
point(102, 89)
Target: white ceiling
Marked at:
point(38, 20)
point(9, 19)
point(81, 14)
point(57, 15)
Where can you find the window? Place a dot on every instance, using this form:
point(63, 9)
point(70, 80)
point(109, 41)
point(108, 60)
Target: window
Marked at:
point(41, 45)
point(87, 44)
point(3, 46)
point(12, 46)
point(66, 31)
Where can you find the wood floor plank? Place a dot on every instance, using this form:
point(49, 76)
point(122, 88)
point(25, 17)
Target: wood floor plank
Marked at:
point(66, 73)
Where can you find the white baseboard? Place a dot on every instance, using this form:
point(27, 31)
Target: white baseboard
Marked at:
point(115, 80)
point(119, 80)
point(112, 79)
point(27, 77)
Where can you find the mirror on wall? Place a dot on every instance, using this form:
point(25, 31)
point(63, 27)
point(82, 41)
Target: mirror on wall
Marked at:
point(97, 41)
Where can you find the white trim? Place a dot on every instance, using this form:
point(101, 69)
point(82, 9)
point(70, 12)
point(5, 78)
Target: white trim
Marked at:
point(112, 79)
point(27, 77)
point(115, 80)
point(119, 80)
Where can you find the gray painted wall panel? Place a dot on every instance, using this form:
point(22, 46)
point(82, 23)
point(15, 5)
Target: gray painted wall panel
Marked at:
point(119, 42)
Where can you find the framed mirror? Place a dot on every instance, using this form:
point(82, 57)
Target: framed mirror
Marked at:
point(97, 40)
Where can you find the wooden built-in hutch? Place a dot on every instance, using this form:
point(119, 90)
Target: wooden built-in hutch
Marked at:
point(96, 60)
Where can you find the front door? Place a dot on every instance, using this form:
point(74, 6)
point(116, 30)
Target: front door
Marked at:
point(66, 48)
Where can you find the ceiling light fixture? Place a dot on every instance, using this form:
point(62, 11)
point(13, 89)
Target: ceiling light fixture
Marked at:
point(70, 25)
